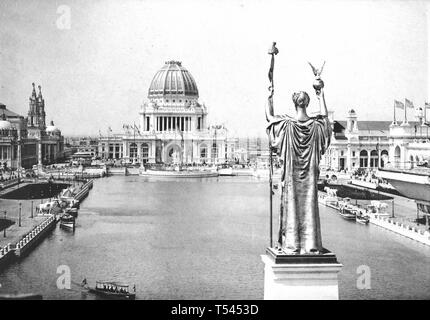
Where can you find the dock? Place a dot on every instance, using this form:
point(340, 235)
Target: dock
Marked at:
point(28, 229)
point(401, 222)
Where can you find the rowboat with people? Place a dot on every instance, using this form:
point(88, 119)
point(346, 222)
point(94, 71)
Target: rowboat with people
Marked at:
point(111, 289)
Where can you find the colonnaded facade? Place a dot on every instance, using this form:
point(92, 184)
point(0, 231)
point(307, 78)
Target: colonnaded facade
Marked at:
point(357, 144)
point(410, 142)
point(172, 126)
point(372, 144)
point(26, 141)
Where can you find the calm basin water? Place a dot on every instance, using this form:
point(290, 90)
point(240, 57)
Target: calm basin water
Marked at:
point(202, 239)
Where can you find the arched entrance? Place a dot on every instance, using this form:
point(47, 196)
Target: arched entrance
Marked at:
point(203, 153)
point(384, 157)
point(133, 152)
point(374, 159)
point(363, 159)
point(214, 152)
point(397, 156)
point(145, 152)
point(173, 154)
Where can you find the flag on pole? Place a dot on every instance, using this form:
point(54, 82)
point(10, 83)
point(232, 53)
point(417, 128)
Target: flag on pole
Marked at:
point(399, 104)
point(110, 129)
point(409, 104)
point(137, 129)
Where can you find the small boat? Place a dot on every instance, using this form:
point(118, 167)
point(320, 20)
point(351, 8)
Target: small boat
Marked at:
point(362, 219)
point(67, 220)
point(228, 171)
point(111, 290)
point(347, 213)
point(347, 210)
point(21, 296)
point(72, 211)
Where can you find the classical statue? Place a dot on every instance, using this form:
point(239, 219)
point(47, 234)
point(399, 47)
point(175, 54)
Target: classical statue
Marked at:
point(299, 143)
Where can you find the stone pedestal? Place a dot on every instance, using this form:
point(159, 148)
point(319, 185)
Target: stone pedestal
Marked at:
point(300, 277)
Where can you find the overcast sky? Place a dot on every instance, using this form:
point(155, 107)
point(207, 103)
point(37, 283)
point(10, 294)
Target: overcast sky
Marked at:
point(96, 73)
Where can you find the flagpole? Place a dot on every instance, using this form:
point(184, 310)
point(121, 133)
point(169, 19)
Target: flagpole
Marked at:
point(273, 51)
point(108, 146)
point(134, 137)
point(406, 119)
point(394, 122)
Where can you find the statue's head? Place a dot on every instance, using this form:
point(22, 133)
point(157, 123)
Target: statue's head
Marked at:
point(301, 99)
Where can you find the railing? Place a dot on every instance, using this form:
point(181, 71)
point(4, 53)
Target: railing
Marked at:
point(5, 250)
point(5, 184)
point(409, 167)
point(404, 227)
point(34, 233)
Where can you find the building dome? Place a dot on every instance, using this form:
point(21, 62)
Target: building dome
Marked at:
point(4, 124)
point(52, 128)
point(173, 80)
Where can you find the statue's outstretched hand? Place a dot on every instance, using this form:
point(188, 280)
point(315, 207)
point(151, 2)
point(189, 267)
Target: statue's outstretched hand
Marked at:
point(319, 93)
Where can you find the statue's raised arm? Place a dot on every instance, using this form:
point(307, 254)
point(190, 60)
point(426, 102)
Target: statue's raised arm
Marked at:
point(273, 51)
point(269, 106)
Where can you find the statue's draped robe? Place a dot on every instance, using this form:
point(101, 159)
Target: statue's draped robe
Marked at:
point(299, 145)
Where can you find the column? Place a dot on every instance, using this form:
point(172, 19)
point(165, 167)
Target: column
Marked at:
point(162, 152)
point(152, 152)
point(142, 122)
point(39, 155)
point(193, 123)
point(139, 151)
point(125, 150)
point(19, 158)
point(368, 159)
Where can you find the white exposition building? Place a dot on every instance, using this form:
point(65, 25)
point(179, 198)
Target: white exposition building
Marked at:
point(357, 144)
point(172, 125)
point(373, 144)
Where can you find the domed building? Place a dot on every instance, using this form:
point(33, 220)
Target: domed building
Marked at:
point(172, 126)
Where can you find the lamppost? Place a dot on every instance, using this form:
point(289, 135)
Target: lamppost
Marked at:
point(4, 230)
point(20, 207)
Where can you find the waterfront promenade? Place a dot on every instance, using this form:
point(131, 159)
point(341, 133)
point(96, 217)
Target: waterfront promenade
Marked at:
point(27, 226)
point(15, 232)
point(400, 216)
